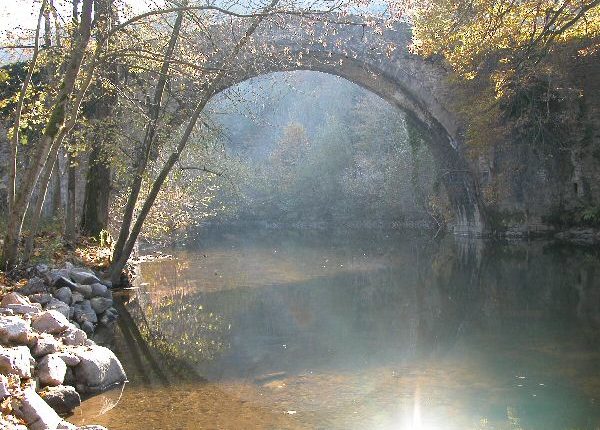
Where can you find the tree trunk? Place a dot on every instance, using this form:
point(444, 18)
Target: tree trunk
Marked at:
point(70, 223)
point(49, 167)
point(14, 141)
point(57, 194)
point(97, 193)
point(146, 145)
point(96, 200)
point(39, 204)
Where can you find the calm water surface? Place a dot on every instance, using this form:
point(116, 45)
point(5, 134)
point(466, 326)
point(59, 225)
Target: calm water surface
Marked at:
point(359, 330)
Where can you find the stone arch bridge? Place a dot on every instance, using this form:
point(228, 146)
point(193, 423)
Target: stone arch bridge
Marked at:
point(379, 60)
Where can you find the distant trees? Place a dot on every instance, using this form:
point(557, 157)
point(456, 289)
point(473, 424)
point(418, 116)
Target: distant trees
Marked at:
point(350, 161)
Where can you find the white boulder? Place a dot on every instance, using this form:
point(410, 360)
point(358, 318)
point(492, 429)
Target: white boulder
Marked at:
point(15, 329)
point(46, 344)
point(16, 361)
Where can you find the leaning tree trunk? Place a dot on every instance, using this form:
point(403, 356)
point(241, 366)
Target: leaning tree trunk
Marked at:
point(119, 263)
point(49, 168)
point(36, 215)
point(146, 145)
point(14, 141)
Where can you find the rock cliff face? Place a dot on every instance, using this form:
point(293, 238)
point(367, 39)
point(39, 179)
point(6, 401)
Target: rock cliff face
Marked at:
point(548, 187)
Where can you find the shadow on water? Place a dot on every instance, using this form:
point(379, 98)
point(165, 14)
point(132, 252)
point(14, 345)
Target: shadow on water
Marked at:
point(369, 330)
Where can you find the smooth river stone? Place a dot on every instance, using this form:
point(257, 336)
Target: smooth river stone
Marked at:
point(13, 298)
point(64, 295)
point(101, 304)
point(15, 329)
point(46, 344)
point(34, 285)
point(51, 370)
point(83, 277)
point(98, 370)
point(62, 398)
point(25, 309)
point(59, 306)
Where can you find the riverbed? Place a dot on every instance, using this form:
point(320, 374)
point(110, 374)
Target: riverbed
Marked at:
point(361, 329)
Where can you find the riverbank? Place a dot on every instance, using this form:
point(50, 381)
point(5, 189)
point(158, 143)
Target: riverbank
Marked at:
point(48, 360)
point(576, 235)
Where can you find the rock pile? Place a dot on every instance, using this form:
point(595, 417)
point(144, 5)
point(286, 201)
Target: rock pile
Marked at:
point(46, 358)
point(75, 292)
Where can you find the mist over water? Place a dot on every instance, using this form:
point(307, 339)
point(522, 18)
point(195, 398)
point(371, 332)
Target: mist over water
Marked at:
point(367, 329)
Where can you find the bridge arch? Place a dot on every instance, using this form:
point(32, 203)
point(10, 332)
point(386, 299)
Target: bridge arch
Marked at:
point(382, 64)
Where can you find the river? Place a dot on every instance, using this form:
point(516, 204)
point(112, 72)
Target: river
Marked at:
point(376, 330)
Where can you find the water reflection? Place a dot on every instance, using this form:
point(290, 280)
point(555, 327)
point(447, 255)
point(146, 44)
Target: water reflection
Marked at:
point(362, 330)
